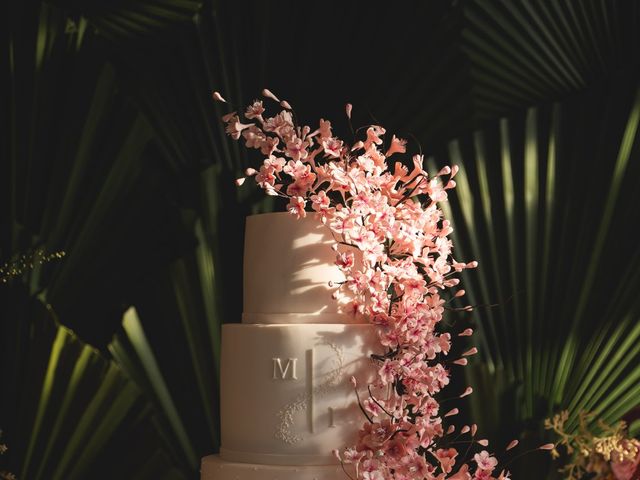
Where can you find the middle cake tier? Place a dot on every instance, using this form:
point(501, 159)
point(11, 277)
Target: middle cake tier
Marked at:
point(286, 394)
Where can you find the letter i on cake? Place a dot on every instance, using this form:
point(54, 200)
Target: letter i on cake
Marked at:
point(286, 396)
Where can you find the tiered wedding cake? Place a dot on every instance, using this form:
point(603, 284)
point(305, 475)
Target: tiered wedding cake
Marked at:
point(286, 395)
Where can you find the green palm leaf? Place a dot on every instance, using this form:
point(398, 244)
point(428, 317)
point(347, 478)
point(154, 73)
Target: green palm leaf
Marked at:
point(523, 52)
point(551, 236)
point(122, 20)
point(67, 409)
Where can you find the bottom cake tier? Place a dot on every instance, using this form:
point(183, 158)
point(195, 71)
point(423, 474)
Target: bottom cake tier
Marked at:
point(214, 468)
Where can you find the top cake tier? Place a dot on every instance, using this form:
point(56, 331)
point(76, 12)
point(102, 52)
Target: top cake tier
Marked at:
point(288, 264)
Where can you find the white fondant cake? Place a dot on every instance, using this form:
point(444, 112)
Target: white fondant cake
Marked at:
point(286, 395)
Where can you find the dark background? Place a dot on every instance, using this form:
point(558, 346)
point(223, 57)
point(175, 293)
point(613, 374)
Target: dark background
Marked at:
point(112, 151)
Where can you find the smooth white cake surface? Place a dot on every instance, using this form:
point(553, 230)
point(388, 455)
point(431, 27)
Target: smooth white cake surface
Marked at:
point(286, 393)
point(214, 468)
point(288, 264)
point(286, 396)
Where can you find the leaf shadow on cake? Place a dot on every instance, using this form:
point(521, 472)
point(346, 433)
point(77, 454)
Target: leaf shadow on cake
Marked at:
point(289, 269)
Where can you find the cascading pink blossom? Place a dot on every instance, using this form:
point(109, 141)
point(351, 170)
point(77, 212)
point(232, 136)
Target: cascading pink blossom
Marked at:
point(388, 213)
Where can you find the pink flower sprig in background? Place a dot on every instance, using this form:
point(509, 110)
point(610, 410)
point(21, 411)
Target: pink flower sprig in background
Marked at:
point(393, 248)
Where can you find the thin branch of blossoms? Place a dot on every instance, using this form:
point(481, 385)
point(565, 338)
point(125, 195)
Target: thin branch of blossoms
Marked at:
point(392, 245)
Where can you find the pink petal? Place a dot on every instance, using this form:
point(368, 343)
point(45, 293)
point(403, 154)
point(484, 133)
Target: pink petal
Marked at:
point(216, 96)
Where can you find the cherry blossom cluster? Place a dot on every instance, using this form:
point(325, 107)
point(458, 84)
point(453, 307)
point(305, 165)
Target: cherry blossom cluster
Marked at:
point(393, 248)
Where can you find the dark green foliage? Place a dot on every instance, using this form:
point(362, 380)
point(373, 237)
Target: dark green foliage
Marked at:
point(112, 151)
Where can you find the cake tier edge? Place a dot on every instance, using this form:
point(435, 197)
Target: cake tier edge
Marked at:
point(215, 468)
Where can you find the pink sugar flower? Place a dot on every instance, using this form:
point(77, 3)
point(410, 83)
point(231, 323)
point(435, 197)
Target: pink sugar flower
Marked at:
point(398, 145)
point(345, 260)
point(266, 176)
point(332, 147)
point(254, 137)
point(481, 474)
point(485, 461)
point(296, 207)
point(269, 145)
point(373, 136)
point(351, 455)
point(388, 371)
point(396, 448)
point(371, 470)
point(462, 474)
point(255, 110)
point(277, 163)
point(373, 407)
point(296, 148)
point(325, 128)
point(447, 458)
point(374, 435)
point(297, 189)
point(320, 201)
point(235, 127)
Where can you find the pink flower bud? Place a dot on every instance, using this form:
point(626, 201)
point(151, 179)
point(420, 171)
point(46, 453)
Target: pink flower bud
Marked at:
point(512, 444)
point(336, 454)
point(467, 332)
point(240, 181)
point(471, 351)
point(285, 104)
point(358, 145)
point(450, 184)
point(398, 145)
point(267, 93)
point(468, 308)
point(217, 97)
point(547, 446)
point(474, 429)
point(347, 108)
point(451, 429)
point(249, 172)
point(465, 429)
point(468, 391)
point(444, 171)
point(229, 116)
point(473, 264)
point(452, 412)
point(461, 361)
point(459, 293)
point(354, 382)
point(484, 442)
point(454, 170)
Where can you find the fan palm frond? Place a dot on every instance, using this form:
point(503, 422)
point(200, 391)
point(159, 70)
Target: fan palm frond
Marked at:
point(188, 298)
point(77, 149)
point(524, 52)
point(121, 20)
point(544, 201)
point(66, 408)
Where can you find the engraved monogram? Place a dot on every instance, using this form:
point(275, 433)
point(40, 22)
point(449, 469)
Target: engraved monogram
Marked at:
point(281, 373)
point(306, 400)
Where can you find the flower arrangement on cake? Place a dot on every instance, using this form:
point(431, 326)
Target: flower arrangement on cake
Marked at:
point(391, 243)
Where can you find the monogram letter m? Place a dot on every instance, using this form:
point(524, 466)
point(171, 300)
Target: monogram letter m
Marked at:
point(281, 373)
